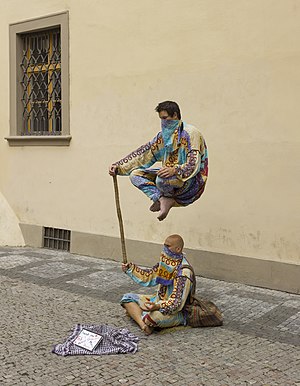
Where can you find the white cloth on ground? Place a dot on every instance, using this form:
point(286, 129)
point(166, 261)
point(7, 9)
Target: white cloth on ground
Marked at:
point(115, 341)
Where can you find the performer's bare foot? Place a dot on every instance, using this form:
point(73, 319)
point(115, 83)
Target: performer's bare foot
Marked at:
point(166, 204)
point(155, 207)
point(147, 329)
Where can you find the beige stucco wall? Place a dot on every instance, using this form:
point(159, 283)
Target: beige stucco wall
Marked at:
point(10, 232)
point(234, 69)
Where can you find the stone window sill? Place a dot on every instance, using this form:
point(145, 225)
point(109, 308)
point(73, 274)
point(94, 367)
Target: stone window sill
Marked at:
point(39, 140)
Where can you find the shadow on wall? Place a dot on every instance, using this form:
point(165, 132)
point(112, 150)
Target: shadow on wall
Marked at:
point(10, 232)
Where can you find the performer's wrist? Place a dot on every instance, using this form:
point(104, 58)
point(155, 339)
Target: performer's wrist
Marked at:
point(126, 267)
point(129, 265)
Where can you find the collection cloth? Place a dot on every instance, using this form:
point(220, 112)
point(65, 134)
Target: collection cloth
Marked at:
point(115, 341)
point(185, 150)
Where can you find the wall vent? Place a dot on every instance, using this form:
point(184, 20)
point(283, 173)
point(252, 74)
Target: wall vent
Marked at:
point(55, 238)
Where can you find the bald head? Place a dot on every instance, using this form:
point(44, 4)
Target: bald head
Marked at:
point(174, 243)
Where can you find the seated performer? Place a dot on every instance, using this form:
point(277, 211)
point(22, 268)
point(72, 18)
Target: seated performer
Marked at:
point(165, 308)
point(183, 153)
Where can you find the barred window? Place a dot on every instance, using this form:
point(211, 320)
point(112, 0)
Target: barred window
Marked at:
point(41, 83)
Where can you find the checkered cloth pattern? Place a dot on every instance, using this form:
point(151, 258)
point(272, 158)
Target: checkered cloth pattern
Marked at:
point(115, 341)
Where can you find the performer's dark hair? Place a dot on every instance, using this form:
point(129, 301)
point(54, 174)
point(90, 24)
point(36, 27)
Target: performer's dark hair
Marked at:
point(170, 107)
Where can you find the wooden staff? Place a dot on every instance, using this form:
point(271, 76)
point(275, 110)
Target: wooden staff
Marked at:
point(117, 198)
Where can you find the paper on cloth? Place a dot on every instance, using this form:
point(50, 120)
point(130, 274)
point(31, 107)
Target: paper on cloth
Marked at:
point(115, 341)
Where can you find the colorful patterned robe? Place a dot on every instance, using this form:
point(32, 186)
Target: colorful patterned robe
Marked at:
point(188, 155)
point(171, 298)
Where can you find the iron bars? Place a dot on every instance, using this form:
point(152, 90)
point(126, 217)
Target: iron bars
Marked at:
point(41, 82)
point(55, 238)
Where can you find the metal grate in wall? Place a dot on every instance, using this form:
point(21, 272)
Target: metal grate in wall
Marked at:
point(55, 238)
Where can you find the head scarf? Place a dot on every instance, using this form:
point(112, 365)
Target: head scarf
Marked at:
point(168, 127)
point(168, 265)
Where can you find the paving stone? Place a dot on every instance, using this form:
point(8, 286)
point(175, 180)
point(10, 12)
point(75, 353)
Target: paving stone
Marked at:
point(12, 261)
point(44, 293)
point(54, 270)
point(106, 280)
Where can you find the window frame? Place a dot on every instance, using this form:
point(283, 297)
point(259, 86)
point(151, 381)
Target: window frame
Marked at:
point(15, 137)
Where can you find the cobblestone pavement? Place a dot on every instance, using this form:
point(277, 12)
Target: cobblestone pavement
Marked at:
point(44, 293)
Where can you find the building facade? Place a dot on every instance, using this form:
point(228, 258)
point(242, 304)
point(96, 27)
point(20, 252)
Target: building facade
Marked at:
point(79, 86)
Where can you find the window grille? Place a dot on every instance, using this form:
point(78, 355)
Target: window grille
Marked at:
point(41, 82)
point(55, 238)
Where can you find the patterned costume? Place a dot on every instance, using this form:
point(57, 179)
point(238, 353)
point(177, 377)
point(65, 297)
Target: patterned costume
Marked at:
point(185, 149)
point(174, 286)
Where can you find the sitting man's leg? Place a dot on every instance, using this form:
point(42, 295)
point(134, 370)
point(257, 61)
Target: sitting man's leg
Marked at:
point(157, 319)
point(178, 193)
point(145, 181)
point(135, 312)
point(168, 188)
point(160, 190)
point(132, 304)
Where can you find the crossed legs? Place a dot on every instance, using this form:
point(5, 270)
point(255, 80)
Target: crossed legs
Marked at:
point(135, 312)
point(160, 190)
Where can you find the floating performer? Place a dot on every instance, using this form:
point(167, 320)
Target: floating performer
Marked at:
point(182, 150)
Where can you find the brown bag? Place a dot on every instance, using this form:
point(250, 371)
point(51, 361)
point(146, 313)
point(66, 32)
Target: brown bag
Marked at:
point(200, 312)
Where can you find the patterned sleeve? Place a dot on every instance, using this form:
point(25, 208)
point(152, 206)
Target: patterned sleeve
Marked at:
point(143, 157)
point(178, 297)
point(190, 168)
point(146, 277)
point(196, 159)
